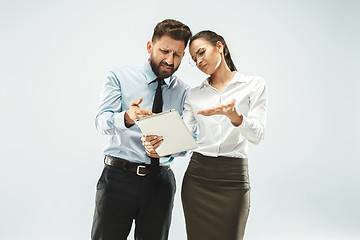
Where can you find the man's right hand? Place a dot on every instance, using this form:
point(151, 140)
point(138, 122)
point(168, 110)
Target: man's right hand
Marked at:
point(151, 143)
point(135, 112)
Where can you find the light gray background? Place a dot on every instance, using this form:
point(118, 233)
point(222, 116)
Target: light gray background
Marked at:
point(54, 56)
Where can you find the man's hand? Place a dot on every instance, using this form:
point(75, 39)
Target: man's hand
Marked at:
point(151, 143)
point(135, 112)
point(228, 110)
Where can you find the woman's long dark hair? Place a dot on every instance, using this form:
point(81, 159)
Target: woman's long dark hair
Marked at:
point(213, 38)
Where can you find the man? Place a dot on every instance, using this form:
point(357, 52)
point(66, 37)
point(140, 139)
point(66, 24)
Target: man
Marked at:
point(135, 184)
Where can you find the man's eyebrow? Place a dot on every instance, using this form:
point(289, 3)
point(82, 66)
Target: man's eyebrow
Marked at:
point(170, 50)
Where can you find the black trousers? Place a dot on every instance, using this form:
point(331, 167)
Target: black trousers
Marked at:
point(123, 197)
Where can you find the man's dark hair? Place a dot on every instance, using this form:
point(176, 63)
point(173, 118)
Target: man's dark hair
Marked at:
point(174, 29)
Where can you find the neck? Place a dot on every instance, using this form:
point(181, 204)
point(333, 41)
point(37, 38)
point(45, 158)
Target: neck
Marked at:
point(222, 76)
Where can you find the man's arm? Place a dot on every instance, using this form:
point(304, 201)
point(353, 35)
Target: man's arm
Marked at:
point(111, 117)
point(135, 112)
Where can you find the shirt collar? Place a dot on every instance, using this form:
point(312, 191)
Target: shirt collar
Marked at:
point(237, 78)
point(150, 75)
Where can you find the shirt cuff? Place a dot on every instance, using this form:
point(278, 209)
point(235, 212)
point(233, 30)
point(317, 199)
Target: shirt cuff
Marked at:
point(244, 124)
point(119, 121)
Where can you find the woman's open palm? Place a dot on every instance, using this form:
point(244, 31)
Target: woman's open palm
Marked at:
point(225, 109)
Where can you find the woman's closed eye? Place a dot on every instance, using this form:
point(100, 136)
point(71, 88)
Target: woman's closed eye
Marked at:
point(199, 54)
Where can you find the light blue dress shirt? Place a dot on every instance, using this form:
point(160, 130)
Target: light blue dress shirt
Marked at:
point(122, 86)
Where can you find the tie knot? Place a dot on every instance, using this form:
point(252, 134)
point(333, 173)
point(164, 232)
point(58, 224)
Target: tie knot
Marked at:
point(160, 81)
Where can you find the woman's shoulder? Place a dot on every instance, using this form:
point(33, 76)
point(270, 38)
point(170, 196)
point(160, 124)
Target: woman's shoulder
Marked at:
point(200, 88)
point(253, 80)
point(250, 78)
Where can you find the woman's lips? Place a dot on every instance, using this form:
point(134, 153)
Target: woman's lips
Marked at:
point(202, 67)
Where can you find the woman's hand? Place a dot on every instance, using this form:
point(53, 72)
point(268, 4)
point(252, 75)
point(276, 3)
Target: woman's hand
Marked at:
point(228, 110)
point(151, 143)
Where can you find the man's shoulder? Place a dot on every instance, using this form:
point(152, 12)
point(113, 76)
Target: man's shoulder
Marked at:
point(123, 69)
point(125, 72)
point(178, 83)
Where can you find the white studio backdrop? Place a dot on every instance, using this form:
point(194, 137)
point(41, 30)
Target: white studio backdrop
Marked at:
point(54, 56)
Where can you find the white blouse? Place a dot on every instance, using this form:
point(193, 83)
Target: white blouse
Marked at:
point(216, 134)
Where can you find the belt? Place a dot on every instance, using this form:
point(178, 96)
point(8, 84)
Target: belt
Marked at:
point(139, 168)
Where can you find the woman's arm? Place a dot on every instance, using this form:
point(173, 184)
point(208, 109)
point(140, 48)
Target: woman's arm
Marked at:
point(251, 126)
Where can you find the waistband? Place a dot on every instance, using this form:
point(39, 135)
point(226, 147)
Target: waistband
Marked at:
point(220, 168)
point(141, 169)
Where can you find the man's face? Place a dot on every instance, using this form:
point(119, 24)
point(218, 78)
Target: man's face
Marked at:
point(165, 55)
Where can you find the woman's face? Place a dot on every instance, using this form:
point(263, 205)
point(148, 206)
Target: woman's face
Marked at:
point(206, 56)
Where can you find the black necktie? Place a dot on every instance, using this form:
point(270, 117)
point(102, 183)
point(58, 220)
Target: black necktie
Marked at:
point(158, 100)
point(157, 108)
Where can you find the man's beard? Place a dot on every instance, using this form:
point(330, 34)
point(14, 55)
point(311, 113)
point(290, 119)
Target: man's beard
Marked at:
point(160, 73)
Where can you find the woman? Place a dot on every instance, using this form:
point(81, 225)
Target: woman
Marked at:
point(226, 111)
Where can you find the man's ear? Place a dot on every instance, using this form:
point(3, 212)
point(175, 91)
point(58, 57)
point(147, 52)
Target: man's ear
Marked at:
point(149, 47)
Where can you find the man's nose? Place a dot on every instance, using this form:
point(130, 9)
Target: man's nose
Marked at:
point(169, 59)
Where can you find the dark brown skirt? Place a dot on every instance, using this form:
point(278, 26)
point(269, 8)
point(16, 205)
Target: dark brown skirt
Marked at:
point(216, 197)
